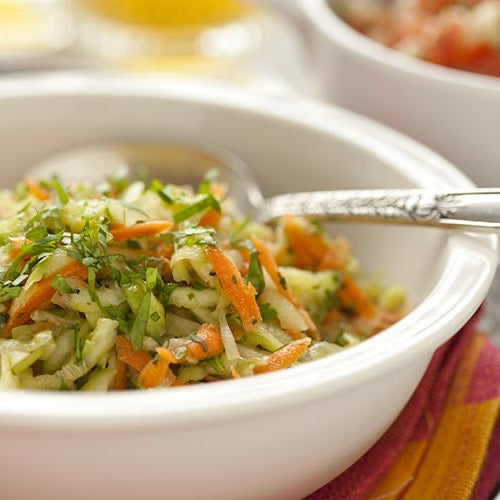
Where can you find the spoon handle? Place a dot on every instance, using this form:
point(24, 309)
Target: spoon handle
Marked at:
point(474, 209)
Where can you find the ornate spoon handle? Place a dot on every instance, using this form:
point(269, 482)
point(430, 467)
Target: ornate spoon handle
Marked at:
point(474, 209)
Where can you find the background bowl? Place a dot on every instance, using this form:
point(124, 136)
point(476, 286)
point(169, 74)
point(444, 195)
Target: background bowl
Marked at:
point(280, 435)
point(455, 112)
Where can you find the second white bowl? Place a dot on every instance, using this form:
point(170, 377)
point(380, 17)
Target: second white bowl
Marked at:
point(454, 112)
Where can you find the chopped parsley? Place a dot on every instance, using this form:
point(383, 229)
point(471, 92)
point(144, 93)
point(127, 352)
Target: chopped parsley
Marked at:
point(61, 193)
point(199, 340)
point(60, 284)
point(158, 188)
point(206, 183)
point(9, 292)
point(255, 275)
point(79, 343)
point(267, 312)
point(208, 201)
point(140, 323)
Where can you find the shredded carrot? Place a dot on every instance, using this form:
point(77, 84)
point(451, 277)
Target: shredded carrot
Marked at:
point(308, 248)
point(218, 189)
point(121, 376)
point(245, 253)
point(210, 343)
point(210, 219)
point(16, 243)
point(313, 251)
point(331, 260)
point(136, 359)
point(244, 269)
point(351, 295)
point(242, 295)
point(332, 316)
point(166, 354)
point(157, 372)
point(140, 230)
point(295, 334)
point(238, 332)
point(38, 296)
point(14, 252)
point(36, 190)
point(284, 357)
point(337, 256)
point(269, 264)
point(234, 372)
point(165, 250)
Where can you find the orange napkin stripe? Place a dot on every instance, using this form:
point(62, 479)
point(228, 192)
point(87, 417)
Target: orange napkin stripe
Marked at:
point(453, 462)
point(402, 473)
point(445, 444)
point(462, 379)
point(447, 465)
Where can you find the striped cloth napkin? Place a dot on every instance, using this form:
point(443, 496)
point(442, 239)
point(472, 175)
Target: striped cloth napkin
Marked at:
point(445, 444)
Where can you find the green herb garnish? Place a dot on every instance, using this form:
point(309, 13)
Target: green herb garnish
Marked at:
point(206, 183)
point(199, 340)
point(79, 342)
point(140, 323)
point(61, 193)
point(207, 201)
point(60, 284)
point(255, 274)
point(9, 292)
point(158, 188)
point(267, 312)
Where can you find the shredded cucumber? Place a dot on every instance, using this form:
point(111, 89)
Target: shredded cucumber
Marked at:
point(77, 213)
point(156, 318)
point(64, 348)
point(8, 380)
point(316, 291)
point(392, 298)
point(188, 297)
point(177, 326)
point(288, 315)
point(48, 267)
point(191, 373)
point(264, 338)
point(23, 354)
point(100, 380)
point(97, 347)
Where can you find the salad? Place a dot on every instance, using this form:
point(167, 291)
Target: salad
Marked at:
point(139, 284)
point(461, 34)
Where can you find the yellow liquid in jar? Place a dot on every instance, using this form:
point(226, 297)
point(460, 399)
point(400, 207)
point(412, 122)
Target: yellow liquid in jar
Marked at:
point(168, 14)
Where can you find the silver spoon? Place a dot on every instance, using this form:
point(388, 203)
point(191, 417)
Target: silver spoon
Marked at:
point(477, 209)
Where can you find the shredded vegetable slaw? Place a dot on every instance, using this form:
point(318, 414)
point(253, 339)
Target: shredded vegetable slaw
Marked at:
point(138, 284)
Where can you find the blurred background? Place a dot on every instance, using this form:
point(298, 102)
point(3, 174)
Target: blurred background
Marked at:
point(217, 39)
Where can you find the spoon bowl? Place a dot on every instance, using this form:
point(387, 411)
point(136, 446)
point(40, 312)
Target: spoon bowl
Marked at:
point(180, 164)
point(183, 164)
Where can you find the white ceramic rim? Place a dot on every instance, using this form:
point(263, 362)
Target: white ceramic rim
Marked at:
point(324, 18)
point(430, 324)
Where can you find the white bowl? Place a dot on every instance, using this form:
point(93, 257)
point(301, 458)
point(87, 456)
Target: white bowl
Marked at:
point(455, 112)
point(279, 435)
